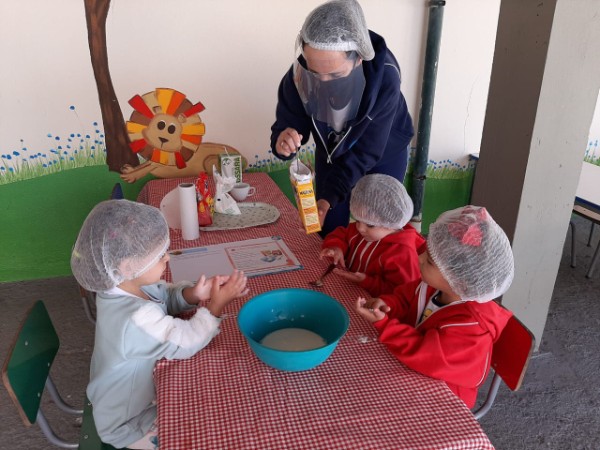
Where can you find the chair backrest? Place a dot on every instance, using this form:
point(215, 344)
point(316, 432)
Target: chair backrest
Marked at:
point(510, 357)
point(29, 360)
point(511, 353)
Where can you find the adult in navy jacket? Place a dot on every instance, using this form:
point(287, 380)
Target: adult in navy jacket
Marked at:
point(367, 131)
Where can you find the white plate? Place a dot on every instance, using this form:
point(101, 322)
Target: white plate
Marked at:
point(252, 215)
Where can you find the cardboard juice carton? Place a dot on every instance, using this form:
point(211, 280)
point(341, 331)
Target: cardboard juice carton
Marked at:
point(231, 166)
point(302, 182)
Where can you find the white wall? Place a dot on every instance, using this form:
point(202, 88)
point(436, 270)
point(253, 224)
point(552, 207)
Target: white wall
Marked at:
point(228, 54)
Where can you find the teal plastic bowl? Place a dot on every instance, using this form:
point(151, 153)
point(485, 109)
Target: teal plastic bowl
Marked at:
point(293, 308)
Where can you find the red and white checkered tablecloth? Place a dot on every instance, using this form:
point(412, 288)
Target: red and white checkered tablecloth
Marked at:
point(361, 397)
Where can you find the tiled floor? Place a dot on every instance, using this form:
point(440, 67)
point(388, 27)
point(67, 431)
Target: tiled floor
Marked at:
point(557, 408)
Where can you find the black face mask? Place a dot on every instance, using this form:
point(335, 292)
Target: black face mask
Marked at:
point(339, 92)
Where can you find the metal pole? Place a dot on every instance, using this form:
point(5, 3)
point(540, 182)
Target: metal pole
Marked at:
point(434, 34)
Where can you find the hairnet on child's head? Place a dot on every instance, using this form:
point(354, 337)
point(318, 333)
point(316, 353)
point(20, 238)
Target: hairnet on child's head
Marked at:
point(338, 25)
point(119, 240)
point(382, 201)
point(472, 253)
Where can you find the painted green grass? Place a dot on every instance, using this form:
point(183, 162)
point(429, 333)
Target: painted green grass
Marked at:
point(72, 152)
point(42, 216)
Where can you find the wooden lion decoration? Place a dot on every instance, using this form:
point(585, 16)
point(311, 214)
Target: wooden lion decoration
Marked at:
point(166, 130)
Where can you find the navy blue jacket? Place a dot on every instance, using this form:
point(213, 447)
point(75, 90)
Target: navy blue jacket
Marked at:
point(376, 140)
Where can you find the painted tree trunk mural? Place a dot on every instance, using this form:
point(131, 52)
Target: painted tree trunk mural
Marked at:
point(118, 152)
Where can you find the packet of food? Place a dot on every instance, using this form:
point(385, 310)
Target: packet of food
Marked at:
point(302, 181)
point(231, 165)
point(205, 200)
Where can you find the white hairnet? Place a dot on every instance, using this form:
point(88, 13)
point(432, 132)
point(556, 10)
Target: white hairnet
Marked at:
point(382, 201)
point(119, 240)
point(338, 25)
point(472, 253)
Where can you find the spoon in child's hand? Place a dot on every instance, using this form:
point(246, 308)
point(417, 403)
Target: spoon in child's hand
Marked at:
point(319, 281)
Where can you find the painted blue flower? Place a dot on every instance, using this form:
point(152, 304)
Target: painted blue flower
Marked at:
point(72, 108)
point(16, 153)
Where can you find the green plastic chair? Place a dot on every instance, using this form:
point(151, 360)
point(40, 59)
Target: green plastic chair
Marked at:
point(26, 373)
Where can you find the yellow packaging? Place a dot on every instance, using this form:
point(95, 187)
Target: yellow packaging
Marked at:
point(301, 179)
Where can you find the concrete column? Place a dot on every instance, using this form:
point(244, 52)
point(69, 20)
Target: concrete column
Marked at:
point(543, 90)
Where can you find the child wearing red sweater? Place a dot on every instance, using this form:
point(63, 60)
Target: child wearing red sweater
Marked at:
point(378, 251)
point(445, 324)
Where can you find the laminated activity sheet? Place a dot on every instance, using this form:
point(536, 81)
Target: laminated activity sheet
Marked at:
point(262, 256)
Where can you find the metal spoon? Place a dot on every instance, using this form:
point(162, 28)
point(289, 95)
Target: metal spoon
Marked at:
point(319, 282)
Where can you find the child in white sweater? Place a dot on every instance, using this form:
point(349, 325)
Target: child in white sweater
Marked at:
point(121, 253)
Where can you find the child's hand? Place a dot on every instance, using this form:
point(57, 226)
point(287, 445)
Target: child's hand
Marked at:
point(223, 292)
point(336, 254)
point(355, 277)
point(373, 309)
point(203, 287)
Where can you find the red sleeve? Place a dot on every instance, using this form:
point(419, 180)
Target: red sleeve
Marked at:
point(400, 266)
point(400, 302)
point(455, 354)
point(337, 238)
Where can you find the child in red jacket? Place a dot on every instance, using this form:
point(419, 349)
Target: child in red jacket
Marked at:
point(445, 324)
point(380, 250)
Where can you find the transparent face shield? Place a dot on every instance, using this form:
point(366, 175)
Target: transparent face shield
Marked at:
point(327, 98)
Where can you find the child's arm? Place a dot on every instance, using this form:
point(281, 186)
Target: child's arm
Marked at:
point(335, 254)
point(175, 338)
point(399, 267)
point(456, 354)
point(202, 289)
point(335, 245)
point(373, 309)
point(222, 293)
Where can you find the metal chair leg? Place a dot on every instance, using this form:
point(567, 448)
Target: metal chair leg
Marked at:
point(88, 300)
point(573, 260)
point(50, 435)
point(59, 401)
point(593, 263)
point(589, 244)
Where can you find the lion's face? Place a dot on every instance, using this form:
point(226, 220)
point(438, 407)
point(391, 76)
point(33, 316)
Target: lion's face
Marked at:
point(164, 132)
point(165, 127)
